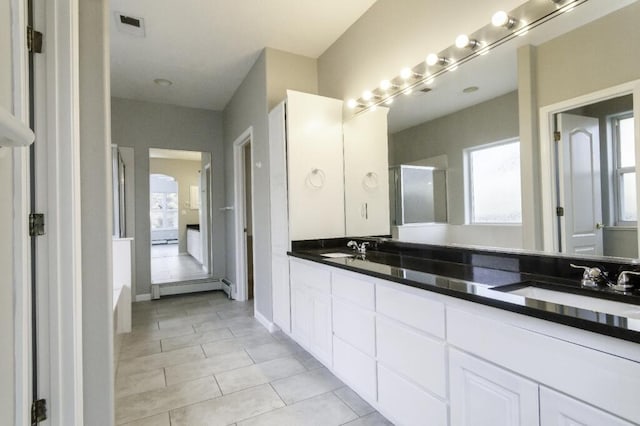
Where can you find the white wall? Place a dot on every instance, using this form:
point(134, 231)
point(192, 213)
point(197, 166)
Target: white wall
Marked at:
point(96, 213)
point(6, 229)
point(264, 86)
point(144, 125)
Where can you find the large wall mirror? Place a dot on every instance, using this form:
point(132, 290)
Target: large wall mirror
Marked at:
point(470, 123)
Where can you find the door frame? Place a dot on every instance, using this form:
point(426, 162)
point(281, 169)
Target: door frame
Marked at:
point(207, 213)
point(239, 189)
point(548, 157)
point(21, 245)
point(59, 262)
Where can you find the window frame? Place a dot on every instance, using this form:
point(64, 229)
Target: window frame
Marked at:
point(618, 172)
point(468, 180)
point(165, 210)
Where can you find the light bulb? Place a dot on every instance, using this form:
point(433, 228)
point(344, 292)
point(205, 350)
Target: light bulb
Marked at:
point(462, 41)
point(352, 103)
point(385, 85)
point(366, 95)
point(432, 59)
point(499, 18)
point(406, 73)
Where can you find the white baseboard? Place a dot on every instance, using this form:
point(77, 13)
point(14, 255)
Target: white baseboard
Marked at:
point(169, 289)
point(143, 297)
point(269, 325)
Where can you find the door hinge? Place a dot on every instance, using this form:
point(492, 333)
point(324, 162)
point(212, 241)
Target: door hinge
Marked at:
point(557, 136)
point(38, 411)
point(36, 224)
point(559, 211)
point(34, 40)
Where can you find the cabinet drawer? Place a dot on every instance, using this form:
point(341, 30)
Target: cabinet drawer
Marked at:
point(318, 278)
point(357, 369)
point(356, 290)
point(416, 356)
point(411, 309)
point(406, 404)
point(557, 409)
point(355, 326)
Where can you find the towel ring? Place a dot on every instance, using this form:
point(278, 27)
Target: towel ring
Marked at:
point(316, 178)
point(370, 180)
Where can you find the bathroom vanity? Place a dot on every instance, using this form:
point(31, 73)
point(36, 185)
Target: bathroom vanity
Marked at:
point(455, 336)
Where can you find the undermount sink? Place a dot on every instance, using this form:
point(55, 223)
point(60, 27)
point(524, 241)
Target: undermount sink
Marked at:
point(577, 301)
point(336, 255)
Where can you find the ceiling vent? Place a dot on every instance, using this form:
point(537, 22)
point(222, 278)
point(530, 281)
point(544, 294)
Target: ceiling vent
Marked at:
point(131, 25)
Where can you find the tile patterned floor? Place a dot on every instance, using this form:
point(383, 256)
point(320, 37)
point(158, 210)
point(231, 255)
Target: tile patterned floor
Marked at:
point(167, 265)
point(201, 359)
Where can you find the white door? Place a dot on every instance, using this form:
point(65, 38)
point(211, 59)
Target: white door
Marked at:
point(579, 185)
point(485, 395)
point(557, 409)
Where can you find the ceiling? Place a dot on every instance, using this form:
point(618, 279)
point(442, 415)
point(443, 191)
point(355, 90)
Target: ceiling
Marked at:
point(206, 48)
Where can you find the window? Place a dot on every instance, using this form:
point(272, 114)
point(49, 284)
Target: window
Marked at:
point(493, 183)
point(164, 210)
point(625, 169)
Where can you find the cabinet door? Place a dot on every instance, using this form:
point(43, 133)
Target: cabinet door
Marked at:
point(301, 314)
point(281, 292)
point(485, 395)
point(557, 409)
point(366, 174)
point(315, 163)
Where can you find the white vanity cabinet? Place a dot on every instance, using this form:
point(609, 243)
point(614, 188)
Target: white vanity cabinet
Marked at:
point(366, 174)
point(311, 309)
point(421, 357)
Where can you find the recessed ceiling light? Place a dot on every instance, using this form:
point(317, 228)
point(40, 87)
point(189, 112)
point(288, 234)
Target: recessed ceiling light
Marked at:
point(163, 82)
point(470, 89)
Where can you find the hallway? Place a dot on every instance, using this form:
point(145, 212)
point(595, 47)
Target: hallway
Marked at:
point(202, 359)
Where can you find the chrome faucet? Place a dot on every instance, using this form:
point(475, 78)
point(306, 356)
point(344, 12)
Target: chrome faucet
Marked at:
point(593, 276)
point(360, 248)
point(622, 283)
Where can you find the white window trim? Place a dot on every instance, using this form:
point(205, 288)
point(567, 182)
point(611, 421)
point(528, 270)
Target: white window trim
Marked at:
point(617, 172)
point(468, 184)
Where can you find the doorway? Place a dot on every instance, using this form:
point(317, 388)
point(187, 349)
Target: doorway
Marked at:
point(244, 229)
point(594, 177)
point(179, 196)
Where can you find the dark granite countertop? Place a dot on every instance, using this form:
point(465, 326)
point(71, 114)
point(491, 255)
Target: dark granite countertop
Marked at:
point(485, 277)
point(193, 226)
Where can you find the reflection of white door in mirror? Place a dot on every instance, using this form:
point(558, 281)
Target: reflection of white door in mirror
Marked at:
point(579, 184)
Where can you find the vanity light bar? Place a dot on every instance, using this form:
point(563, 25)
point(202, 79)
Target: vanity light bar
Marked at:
point(410, 78)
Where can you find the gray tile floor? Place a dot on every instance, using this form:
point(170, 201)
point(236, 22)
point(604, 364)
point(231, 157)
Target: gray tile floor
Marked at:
point(201, 359)
point(168, 265)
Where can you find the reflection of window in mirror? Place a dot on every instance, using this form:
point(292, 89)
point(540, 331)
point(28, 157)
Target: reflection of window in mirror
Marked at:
point(493, 183)
point(625, 169)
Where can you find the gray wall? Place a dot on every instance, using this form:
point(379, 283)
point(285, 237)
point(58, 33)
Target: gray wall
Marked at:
point(186, 174)
point(487, 122)
point(96, 213)
point(264, 86)
point(144, 125)
point(6, 228)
